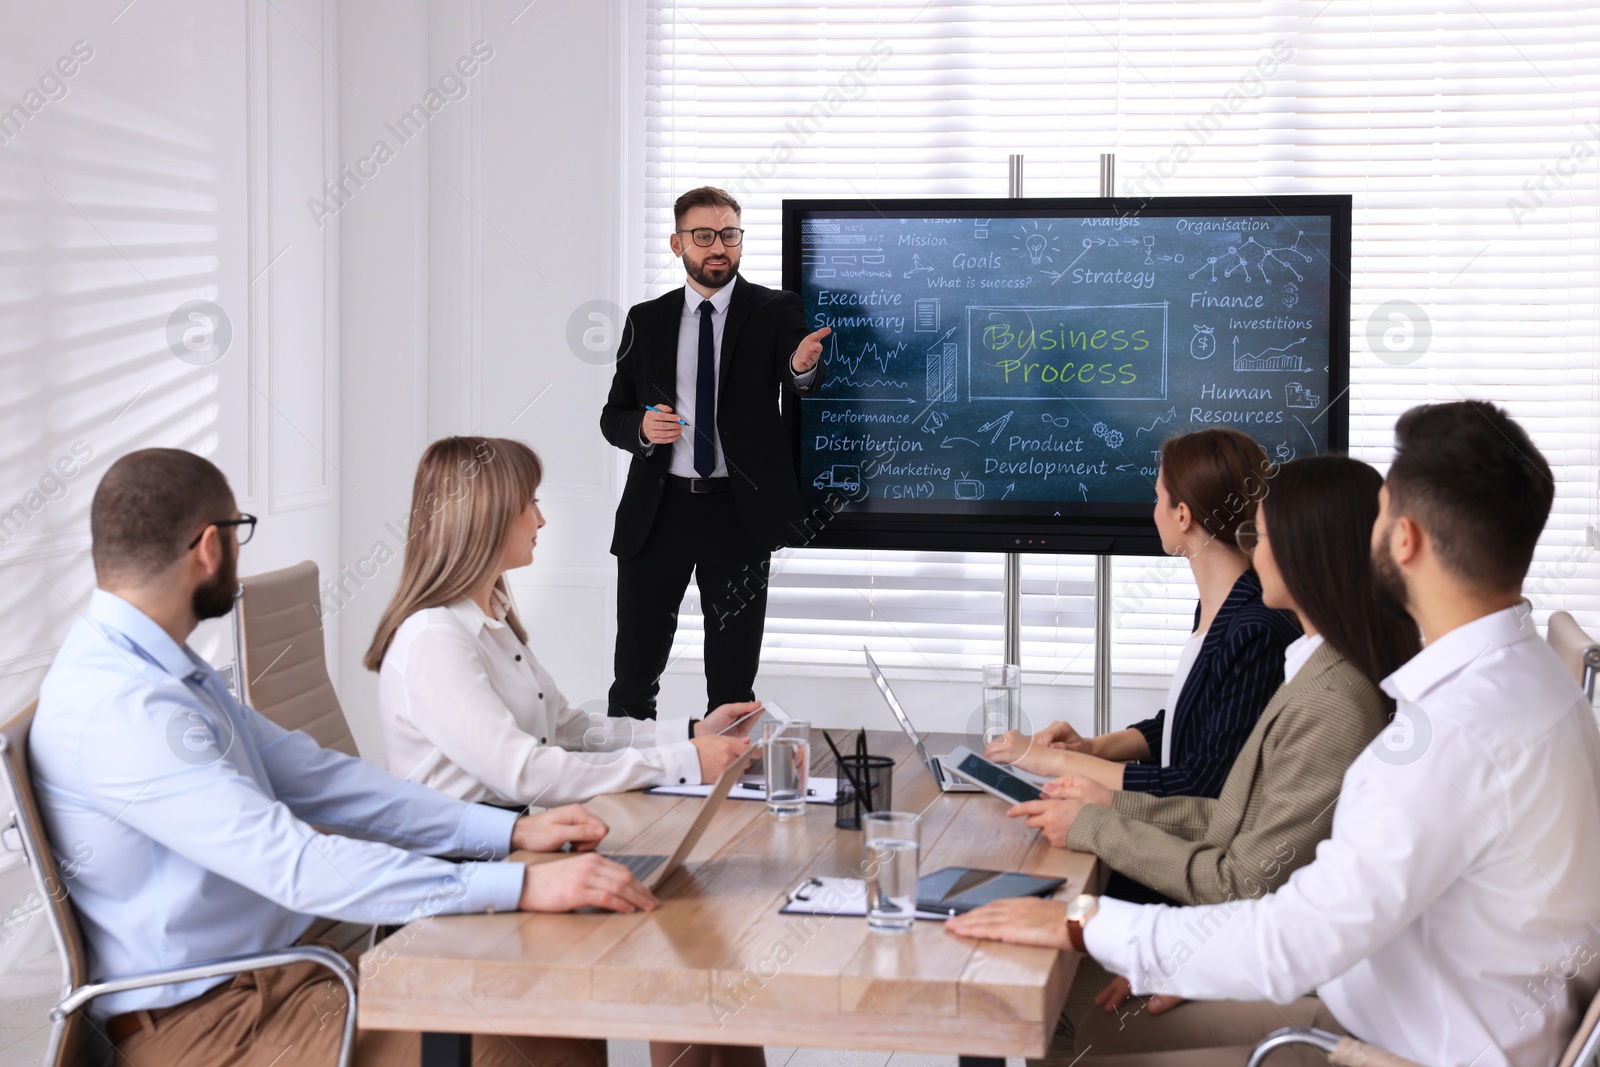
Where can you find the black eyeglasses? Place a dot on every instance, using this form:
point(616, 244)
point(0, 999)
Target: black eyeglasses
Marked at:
point(705, 237)
point(246, 524)
point(1248, 535)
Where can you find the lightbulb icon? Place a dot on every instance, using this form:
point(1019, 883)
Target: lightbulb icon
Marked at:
point(1036, 244)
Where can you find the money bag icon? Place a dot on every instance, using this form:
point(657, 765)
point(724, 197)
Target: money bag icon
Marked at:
point(1204, 343)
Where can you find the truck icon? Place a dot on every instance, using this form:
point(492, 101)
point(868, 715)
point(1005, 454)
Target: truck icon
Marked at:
point(845, 477)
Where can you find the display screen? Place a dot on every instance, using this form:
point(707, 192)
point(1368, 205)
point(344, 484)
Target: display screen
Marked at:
point(999, 779)
point(1001, 374)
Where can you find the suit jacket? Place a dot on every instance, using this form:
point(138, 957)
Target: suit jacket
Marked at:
point(757, 402)
point(1238, 668)
point(1275, 807)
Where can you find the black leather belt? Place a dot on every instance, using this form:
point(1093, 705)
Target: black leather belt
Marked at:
point(698, 485)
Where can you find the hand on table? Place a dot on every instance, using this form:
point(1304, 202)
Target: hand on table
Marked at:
point(716, 753)
point(549, 830)
point(1061, 735)
point(808, 351)
point(589, 881)
point(661, 427)
point(1019, 920)
point(1113, 996)
point(730, 720)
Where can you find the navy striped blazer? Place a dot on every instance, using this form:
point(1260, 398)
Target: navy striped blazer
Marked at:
point(1238, 668)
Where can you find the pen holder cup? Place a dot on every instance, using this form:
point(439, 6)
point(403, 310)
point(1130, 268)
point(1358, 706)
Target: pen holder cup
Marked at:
point(876, 777)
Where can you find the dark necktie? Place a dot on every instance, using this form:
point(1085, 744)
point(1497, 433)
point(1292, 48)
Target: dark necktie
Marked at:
point(705, 397)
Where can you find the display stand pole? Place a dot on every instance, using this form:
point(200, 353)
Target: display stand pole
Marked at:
point(1102, 562)
point(1013, 579)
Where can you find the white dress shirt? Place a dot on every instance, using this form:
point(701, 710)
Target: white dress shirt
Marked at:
point(688, 376)
point(467, 710)
point(1451, 916)
point(688, 372)
point(1186, 657)
point(182, 820)
point(1298, 654)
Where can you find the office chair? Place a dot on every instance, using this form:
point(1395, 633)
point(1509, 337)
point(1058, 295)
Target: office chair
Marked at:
point(280, 666)
point(1579, 651)
point(1582, 1051)
point(75, 1038)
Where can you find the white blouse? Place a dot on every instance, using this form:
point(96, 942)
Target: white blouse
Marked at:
point(1186, 658)
point(467, 710)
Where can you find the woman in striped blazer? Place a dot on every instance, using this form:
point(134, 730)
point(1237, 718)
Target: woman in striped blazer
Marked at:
point(1209, 484)
point(1310, 545)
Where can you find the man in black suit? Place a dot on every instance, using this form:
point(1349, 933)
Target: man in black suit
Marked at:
point(704, 398)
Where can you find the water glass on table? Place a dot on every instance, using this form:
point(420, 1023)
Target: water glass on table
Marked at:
point(1002, 700)
point(787, 756)
point(889, 863)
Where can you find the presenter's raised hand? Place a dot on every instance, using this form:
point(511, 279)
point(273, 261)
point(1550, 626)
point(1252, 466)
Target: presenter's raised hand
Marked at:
point(662, 426)
point(590, 881)
point(809, 351)
point(549, 830)
point(730, 720)
point(716, 752)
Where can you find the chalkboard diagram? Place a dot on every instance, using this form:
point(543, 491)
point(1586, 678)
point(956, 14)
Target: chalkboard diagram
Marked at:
point(1269, 359)
point(1032, 360)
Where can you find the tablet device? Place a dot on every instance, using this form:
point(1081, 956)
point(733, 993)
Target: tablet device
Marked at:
point(992, 778)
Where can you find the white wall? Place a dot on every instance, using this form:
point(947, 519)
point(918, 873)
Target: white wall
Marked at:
point(166, 172)
point(167, 167)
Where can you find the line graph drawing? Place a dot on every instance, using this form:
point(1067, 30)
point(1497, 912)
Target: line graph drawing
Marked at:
point(1171, 414)
point(869, 350)
point(1269, 359)
point(846, 381)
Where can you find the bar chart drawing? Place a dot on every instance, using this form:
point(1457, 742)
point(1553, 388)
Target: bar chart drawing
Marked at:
point(944, 360)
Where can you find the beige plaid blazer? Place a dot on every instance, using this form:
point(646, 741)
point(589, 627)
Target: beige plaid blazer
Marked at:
point(1275, 806)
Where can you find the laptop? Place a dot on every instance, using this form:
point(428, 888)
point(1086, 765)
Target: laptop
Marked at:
point(653, 870)
point(943, 775)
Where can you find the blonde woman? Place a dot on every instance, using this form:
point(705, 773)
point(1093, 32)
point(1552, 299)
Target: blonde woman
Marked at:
point(465, 706)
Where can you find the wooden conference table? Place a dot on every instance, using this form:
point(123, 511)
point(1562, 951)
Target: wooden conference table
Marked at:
point(716, 963)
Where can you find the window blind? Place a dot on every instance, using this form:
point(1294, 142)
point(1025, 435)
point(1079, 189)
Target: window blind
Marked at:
point(1468, 133)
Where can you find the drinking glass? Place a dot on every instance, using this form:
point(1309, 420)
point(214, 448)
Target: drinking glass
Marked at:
point(889, 863)
point(1002, 700)
point(787, 759)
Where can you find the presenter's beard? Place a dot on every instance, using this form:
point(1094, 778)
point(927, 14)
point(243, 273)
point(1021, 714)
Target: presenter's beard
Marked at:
point(214, 599)
point(1388, 585)
point(711, 279)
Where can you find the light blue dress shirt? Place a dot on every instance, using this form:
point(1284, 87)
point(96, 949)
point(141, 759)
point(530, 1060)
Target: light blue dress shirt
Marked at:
point(182, 819)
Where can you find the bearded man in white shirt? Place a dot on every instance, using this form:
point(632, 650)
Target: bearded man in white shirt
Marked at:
point(1451, 918)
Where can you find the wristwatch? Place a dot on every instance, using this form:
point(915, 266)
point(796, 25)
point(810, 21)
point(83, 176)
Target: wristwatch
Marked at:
point(1080, 909)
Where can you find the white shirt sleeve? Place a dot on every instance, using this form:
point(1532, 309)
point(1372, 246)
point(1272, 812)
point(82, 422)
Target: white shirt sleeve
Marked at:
point(453, 704)
point(1398, 842)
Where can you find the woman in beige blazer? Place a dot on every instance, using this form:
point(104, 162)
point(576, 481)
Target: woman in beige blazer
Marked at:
point(1310, 545)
